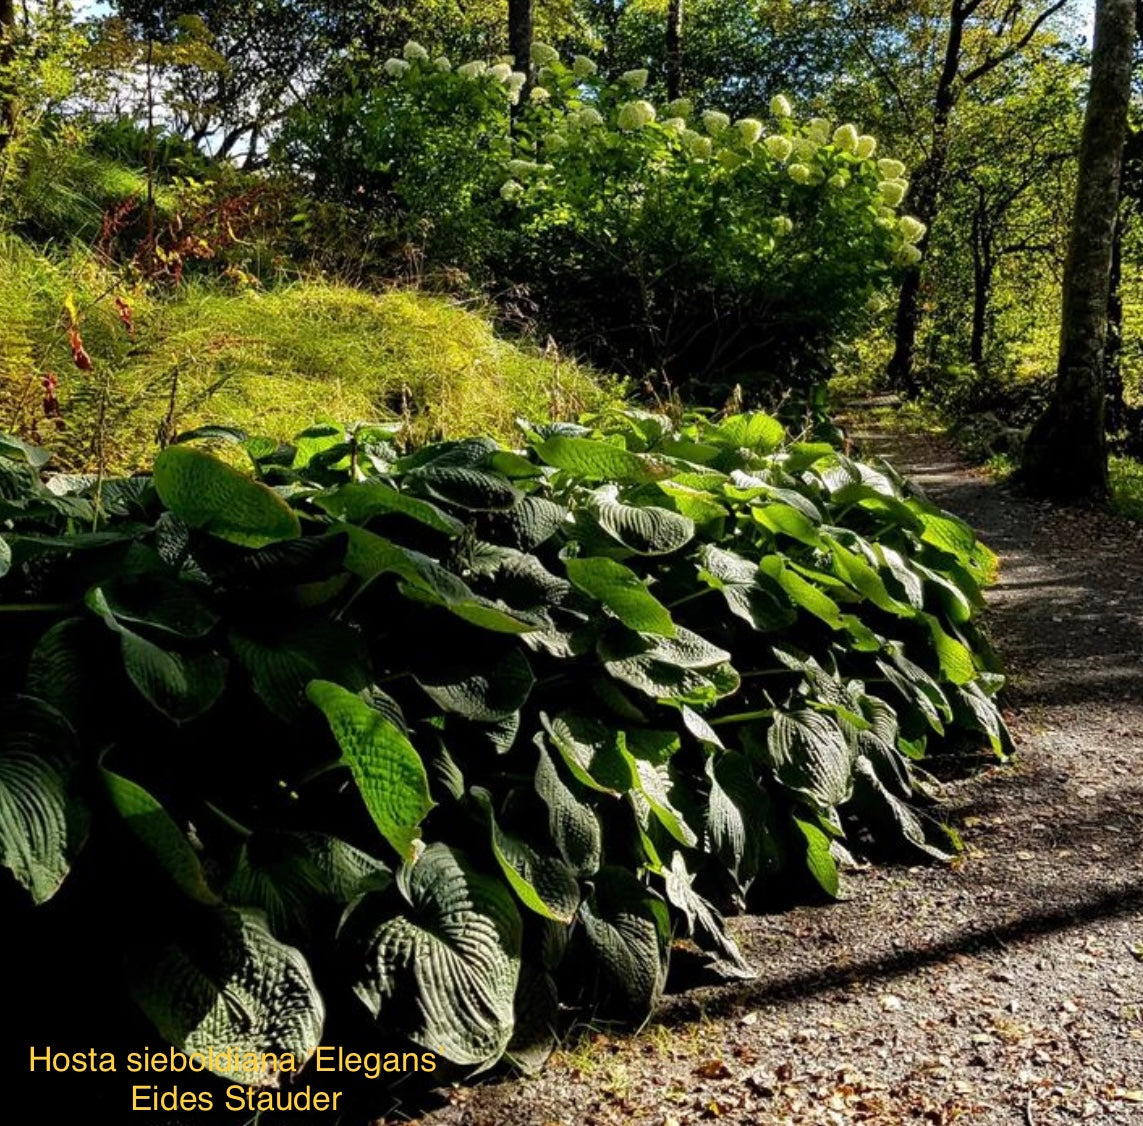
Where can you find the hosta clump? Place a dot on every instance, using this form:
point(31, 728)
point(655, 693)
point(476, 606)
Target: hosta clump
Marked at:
point(439, 742)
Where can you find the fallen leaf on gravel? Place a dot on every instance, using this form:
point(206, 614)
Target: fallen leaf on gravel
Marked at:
point(712, 1069)
point(1125, 1095)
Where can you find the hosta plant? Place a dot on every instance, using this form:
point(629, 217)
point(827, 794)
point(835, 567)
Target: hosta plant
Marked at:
point(436, 744)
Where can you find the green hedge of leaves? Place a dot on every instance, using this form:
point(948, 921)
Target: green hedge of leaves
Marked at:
point(412, 736)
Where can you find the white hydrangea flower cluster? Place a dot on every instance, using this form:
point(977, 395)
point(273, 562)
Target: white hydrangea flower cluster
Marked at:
point(396, 67)
point(634, 115)
point(715, 122)
point(636, 79)
point(680, 107)
point(583, 67)
point(749, 129)
point(779, 147)
point(543, 55)
point(780, 106)
point(698, 146)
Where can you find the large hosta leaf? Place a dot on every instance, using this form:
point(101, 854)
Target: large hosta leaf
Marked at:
point(292, 876)
point(685, 668)
point(542, 883)
point(425, 580)
point(209, 494)
point(593, 752)
point(593, 460)
point(357, 501)
point(180, 684)
point(739, 819)
point(882, 809)
point(470, 489)
point(572, 824)
point(622, 591)
point(485, 687)
point(627, 929)
point(156, 830)
point(810, 755)
point(282, 657)
point(443, 969)
point(704, 924)
point(229, 983)
point(819, 858)
point(41, 825)
point(646, 530)
point(386, 767)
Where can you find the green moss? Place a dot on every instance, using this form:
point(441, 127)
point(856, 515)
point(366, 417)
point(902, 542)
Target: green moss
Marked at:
point(1126, 487)
point(272, 362)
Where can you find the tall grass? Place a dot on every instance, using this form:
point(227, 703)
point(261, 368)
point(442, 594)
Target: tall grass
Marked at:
point(272, 362)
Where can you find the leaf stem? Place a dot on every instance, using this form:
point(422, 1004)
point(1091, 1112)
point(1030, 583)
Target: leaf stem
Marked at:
point(34, 607)
point(741, 717)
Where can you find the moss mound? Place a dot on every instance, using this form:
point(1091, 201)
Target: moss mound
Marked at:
point(272, 362)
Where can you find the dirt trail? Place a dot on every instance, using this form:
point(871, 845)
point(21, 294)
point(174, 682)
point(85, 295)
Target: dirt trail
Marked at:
point(1005, 989)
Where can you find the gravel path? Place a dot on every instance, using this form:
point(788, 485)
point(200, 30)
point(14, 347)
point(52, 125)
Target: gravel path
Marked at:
point(1007, 988)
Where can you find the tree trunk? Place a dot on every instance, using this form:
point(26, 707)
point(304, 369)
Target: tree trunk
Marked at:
point(1066, 454)
point(927, 184)
point(520, 34)
point(983, 266)
point(675, 49)
point(8, 111)
point(1113, 347)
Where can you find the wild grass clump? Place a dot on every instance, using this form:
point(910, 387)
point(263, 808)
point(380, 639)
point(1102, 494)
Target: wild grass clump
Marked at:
point(272, 361)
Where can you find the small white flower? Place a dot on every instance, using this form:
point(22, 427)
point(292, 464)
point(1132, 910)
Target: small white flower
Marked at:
point(715, 122)
point(675, 125)
point(634, 115)
point(912, 229)
point(866, 146)
point(839, 181)
point(510, 190)
point(908, 255)
point(783, 224)
point(893, 191)
point(413, 50)
point(441, 62)
point(845, 138)
point(749, 129)
point(779, 147)
point(680, 107)
point(515, 81)
point(697, 145)
point(583, 67)
point(800, 173)
point(500, 72)
point(473, 69)
point(890, 169)
point(543, 55)
point(539, 94)
point(780, 106)
point(396, 67)
point(636, 79)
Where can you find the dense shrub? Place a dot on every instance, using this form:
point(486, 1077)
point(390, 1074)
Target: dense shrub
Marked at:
point(515, 718)
point(705, 250)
